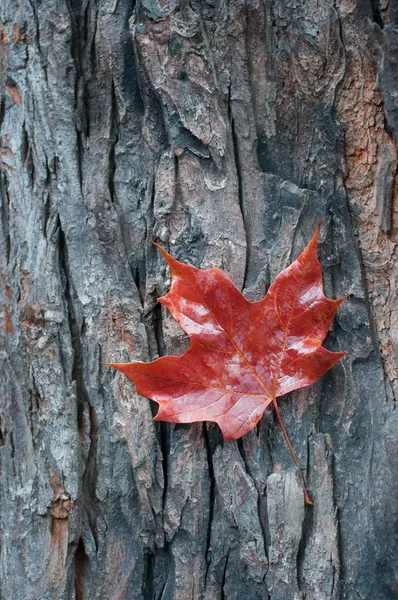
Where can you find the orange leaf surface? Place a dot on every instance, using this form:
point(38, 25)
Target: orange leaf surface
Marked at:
point(243, 354)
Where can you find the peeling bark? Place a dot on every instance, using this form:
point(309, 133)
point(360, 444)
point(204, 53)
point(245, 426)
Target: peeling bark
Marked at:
point(224, 131)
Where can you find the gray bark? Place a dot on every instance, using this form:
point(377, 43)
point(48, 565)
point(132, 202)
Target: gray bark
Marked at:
point(224, 131)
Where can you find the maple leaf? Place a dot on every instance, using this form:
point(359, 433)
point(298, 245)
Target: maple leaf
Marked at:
point(243, 354)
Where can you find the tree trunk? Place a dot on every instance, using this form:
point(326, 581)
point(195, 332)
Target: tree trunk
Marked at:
point(224, 131)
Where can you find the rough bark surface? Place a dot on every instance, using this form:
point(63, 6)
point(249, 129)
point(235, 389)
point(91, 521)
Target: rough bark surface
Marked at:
point(223, 130)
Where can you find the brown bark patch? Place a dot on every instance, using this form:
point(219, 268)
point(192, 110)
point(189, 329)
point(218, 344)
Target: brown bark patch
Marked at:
point(3, 49)
point(13, 92)
point(62, 503)
point(59, 544)
point(15, 37)
point(59, 511)
point(8, 326)
point(19, 36)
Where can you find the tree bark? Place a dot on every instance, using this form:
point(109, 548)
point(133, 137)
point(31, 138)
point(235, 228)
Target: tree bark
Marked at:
point(224, 131)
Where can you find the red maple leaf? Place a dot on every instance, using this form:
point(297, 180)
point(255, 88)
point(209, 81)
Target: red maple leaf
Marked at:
point(243, 355)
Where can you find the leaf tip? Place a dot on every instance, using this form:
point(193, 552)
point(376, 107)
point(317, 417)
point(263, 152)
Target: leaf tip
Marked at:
point(161, 415)
point(161, 250)
point(173, 263)
point(316, 232)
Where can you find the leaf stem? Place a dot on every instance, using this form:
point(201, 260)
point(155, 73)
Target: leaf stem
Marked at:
point(292, 452)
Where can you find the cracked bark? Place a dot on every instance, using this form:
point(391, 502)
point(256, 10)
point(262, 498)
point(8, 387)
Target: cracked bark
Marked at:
point(224, 131)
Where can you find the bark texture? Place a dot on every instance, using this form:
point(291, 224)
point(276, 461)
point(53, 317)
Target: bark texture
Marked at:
point(223, 130)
